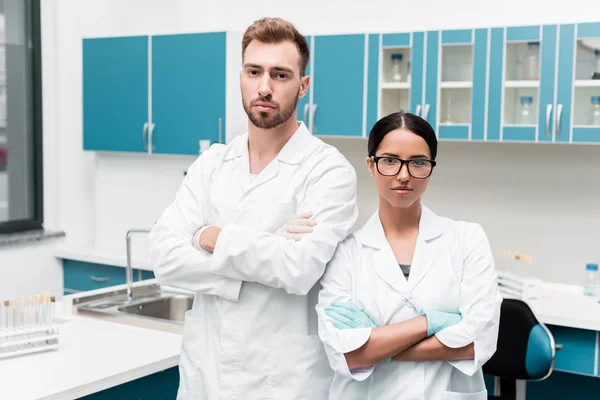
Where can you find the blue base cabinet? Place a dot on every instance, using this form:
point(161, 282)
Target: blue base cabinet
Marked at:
point(159, 386)
point(161, 94)
point(80, 276)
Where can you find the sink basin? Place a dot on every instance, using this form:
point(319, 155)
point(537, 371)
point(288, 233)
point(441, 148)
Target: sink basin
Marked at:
point(171, 308)
point(151, 307)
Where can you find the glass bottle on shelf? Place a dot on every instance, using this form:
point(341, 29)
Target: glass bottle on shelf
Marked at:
point(396, 70)
point(448, 118)
point(408, 71)
point(532, 61)
point(595, 111)
point(525, 114)
point(596, 73)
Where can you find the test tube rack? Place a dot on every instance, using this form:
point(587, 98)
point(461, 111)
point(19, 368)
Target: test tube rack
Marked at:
point(28, 326)
point(28, 339)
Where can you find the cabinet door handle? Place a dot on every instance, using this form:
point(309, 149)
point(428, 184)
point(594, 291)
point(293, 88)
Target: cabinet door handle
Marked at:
point(313, 111)
point(548, 114)
point(305, 113)
point(418, 110)
point(426, 112)
point(100, 278)
point(220, 130)
point(559, 108)
point(145, 136)
point(150, 134)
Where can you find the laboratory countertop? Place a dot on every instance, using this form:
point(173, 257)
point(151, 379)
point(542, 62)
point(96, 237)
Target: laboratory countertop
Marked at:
point(102, 257)
point(560, 304)
point(565, 305)
point(94, 355)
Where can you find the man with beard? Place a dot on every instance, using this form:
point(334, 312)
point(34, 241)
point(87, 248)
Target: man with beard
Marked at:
point(250, 232)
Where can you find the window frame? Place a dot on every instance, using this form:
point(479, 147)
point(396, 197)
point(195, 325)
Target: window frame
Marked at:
point(37, 220)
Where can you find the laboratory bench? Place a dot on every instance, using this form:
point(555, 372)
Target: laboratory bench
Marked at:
point(573, 319)
point(97, 360)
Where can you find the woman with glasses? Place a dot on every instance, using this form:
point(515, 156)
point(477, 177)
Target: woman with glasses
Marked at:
point(409, 306)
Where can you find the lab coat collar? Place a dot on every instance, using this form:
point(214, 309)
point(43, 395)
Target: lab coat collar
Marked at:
point(385, 264)
point(293, 152)
point(373, 235)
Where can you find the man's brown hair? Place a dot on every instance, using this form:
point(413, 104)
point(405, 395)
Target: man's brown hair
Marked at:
point(277, 30)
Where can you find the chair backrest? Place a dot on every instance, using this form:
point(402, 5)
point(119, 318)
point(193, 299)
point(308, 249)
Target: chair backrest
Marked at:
point(525, 346)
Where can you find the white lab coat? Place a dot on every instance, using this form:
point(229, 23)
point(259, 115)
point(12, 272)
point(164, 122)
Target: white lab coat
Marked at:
point(252, 330)
point(452, 270)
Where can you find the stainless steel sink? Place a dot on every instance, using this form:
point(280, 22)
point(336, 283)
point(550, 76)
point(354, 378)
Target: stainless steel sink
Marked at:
point(150, 307)
point(171, 308)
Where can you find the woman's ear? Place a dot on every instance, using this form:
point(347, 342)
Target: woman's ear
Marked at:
point(370, 166)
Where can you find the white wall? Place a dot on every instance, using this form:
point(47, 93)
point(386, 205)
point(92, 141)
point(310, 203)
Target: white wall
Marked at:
point(552, 214)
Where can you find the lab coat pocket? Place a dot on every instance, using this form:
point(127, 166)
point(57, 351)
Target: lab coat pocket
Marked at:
point(298, 368)
point(189, 361)
point(481, 395)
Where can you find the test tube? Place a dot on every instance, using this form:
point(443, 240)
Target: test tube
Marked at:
point(52, 309)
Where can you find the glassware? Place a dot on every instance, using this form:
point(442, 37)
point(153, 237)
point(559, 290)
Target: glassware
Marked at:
point(590, 281)
point(396, 70)
point(408, 71)
point(596, 73)
point(525, 115)
point(595, 111)
point(448, 118)
point(532, 61)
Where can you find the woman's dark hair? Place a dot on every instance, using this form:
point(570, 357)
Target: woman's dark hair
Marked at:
point(408, 121)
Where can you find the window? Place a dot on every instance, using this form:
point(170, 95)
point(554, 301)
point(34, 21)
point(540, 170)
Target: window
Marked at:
point(21, 205)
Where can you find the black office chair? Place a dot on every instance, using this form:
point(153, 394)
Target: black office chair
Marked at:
point(525, 350)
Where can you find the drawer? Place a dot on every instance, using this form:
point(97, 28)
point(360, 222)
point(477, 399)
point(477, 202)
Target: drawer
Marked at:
point(80, 276)
point(578, 349)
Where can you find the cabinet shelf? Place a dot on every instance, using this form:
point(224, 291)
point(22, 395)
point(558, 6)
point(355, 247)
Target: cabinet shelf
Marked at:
point(395, 85)
point(522, 84)
point(456, 85)
point(588, 83)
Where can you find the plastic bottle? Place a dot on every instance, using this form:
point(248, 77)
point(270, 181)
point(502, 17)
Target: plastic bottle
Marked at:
point(590, 282)
point(595, 111)
point(532, 61)
point(525, 114)
point(396, 71)
point(596, 73)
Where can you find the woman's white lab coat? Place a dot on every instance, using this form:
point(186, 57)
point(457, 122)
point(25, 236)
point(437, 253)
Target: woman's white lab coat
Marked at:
point(252, 331)
point(452, 270)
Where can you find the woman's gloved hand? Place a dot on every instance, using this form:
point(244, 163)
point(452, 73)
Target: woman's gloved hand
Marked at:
point(438, 320)
point(348, 316)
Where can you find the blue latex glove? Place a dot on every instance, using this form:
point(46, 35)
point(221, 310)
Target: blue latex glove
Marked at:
point(438, 320)
point(348, 316)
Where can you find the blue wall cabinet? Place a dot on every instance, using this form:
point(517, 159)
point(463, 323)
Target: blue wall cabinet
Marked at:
point(161, 94)
point(581, 41)
point(188, 91)
point(338, 97)
point(402, 70)
point(115, 93)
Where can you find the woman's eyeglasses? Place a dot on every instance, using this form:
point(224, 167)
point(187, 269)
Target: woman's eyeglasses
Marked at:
point(390, 166)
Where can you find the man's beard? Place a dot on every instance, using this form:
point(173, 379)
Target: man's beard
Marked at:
point(265, 121)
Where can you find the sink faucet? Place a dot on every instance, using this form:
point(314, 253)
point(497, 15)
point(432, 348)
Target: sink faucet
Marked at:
point(129, 269)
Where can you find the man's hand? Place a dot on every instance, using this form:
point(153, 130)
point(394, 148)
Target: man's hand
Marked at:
point(208, 239)
point(297, 227)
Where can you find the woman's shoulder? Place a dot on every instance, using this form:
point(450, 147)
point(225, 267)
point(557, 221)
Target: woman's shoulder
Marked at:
point(463, 230)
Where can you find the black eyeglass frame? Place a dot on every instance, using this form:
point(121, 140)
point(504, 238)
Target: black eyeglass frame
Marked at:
point(375, 159)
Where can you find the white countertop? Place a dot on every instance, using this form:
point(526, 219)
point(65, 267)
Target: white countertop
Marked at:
point(565, 305)
point(94, 355)
point(103, 257)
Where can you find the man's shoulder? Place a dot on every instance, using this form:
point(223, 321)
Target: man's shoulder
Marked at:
point(320, 151)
